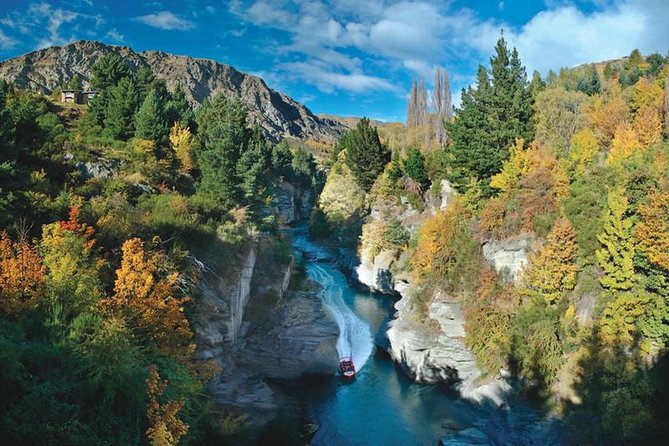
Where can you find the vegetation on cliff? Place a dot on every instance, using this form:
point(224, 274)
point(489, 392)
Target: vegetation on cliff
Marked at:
point(107, 216)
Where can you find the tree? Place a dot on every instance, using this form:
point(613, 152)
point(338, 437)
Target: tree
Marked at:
point(108, 70)
point(616, 256)
point(583, 150)
point(178, 109)
point(182, 143)
point(74, 83)
point(21, 276)
point(365, 155)
point(651, 234)
point(490, 119)
point(558, 117)
point(606, 114)
point(165, 428)
point(552, 270)
point(414, 166)
point(222, 136)
point(666, 104)
point(589, 83)
point(121, 107)
point(147, 299)
point(417, 111)
point(150, 122)
point(625, 146)
point(442, 106)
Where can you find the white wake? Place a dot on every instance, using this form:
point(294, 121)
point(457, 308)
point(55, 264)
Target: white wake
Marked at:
point(355, 337)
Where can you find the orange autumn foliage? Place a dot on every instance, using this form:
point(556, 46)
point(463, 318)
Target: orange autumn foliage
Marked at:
point(648, 125)
point(22, 275)
point(605, 115)
point(165, 429)
point(148, 299)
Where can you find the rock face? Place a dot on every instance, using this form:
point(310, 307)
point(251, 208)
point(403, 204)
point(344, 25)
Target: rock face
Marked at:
point(375, 273)
point(508, 255)
point(221, 306)
point(291, 203)
point(278, 115)
point(432, 353)
point(254, 328)
point(302, 340)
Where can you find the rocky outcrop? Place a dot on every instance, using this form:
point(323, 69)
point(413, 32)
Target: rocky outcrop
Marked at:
point(432, 352)
point(291, 204)
point(301, 340)
point(278, 115)
point(508, 255)
point(220, 309)
point(375, 273)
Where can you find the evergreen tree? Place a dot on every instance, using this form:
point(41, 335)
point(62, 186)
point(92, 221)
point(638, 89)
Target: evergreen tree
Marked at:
point(589, 83)
point(365, 155)
point(108, 71)
point(121, 107)
point(222, 137)
point(150, 122)
point(74, 83)
point(490, 118)
point(144, 80)
point(616, 257)
point(414, 166)
point(537, 84)
point(178, 109)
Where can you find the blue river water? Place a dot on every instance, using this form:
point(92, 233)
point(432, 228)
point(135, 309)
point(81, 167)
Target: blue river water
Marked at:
point(381, 406)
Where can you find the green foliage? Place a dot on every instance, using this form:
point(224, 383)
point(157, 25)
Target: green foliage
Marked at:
point(414, 166)
point(490, 118)
point(150, 119)
point(365, 155)
point(616, 257)
point(222, 136)
point(121, 105)
point(108, 71)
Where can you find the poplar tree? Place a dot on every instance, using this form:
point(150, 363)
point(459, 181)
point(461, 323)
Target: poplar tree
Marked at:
point(491, 117)
point(616, 257)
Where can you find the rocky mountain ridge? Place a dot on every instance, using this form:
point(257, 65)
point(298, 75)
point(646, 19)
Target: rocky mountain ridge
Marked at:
point(278, 115)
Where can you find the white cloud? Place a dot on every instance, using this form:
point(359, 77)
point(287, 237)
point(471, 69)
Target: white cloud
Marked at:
point(114, 35)
point(165, 20)
point(47, 25)
point(6, 42)
point(328, 80)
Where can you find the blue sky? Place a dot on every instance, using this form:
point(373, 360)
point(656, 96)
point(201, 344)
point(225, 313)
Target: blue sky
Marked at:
point(348, 57)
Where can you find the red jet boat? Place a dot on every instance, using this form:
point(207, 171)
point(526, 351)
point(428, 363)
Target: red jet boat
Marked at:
point(346, 367)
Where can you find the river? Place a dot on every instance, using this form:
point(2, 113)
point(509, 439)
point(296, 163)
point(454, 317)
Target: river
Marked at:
point(381, 406)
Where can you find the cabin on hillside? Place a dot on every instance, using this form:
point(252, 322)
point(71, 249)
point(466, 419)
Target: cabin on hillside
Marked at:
point(77, 96)
point(70, 96)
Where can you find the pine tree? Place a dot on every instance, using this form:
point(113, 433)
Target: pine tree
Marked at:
point(108, 71)
point(222, 137)
point(150, 122)
point(121, 107)
point(490, 118)
point(365, 155)
point(414, 166)
point(178, 109)
point(616, 257)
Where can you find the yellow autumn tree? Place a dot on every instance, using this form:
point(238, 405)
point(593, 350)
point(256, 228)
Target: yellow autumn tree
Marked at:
point(625, 146)
point(21, 276)
point(521, 161)
point(148, 300)
point(583, 150)
point(182, 142)
point(651, 234)
point(165, 428)
point(552, 270)
point(606, 114)
point(646, 93)
point(648, 125)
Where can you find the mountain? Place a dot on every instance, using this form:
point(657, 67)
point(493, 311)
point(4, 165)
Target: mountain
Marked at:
point(278, 115)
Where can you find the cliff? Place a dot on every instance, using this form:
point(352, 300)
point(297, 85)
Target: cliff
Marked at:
point(278, 115)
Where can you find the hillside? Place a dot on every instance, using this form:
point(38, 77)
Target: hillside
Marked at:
point(278, 115)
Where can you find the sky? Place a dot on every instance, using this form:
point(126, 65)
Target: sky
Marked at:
point(349, 57)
